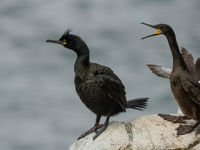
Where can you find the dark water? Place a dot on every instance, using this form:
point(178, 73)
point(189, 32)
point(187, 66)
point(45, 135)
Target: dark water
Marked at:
point(39, 109)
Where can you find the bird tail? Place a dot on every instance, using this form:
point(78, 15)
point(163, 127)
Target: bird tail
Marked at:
point(138, 103)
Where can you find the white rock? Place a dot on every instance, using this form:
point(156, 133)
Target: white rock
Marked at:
point(145, 133)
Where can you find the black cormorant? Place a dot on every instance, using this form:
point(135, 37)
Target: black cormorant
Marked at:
point(183, 80)
point(98, 86)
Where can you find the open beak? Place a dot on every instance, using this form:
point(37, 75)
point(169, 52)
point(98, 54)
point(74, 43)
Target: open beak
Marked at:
point(156, 33)
point(56, 41)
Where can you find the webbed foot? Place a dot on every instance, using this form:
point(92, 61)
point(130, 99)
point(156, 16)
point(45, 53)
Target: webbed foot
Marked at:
point(184, 129)
point(95, 128)
point(174, 119)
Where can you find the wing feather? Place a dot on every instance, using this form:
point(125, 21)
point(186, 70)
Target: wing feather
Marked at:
point(197, 68)
point(192, 89)
point(160, 71)
point(188, 58)
point(111, 85)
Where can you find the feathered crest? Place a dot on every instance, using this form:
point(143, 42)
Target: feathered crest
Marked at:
point(65, 35)
point(67, 32)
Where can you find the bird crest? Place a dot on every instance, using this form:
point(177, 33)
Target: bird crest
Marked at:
point(66, 33)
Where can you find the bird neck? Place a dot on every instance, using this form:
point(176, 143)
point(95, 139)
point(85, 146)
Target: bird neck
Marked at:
point(177, 57)
point(83, 58)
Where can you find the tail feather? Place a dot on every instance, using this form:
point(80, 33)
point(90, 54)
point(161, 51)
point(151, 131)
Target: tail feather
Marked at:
point(138, 103)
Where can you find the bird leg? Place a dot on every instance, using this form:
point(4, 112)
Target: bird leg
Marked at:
point(94, 128)
point(183, 129)
point(97, 125)
point(174, 119)
point(105, 125)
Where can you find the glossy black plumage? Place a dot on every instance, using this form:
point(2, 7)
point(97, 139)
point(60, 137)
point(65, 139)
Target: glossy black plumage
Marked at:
point(184, 79)
point(98, 86)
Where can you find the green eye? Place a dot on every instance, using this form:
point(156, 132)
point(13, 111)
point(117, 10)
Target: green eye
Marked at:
point(64, 40)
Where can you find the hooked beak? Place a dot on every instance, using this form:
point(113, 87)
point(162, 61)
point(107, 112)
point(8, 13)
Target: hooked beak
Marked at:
point(56, 41)
point(156, 33)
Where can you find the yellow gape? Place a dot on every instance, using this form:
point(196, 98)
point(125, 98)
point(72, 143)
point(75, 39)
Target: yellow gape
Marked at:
point(64, 43)
point(158, 31)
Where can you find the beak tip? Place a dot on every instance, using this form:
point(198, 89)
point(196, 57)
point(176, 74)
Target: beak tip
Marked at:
point(47, 41)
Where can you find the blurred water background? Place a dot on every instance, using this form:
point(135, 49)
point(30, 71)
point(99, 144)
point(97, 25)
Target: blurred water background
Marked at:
point(39, 109)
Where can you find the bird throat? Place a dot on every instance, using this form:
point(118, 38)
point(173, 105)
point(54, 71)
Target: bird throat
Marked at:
point(178, 60)
point(82, 63)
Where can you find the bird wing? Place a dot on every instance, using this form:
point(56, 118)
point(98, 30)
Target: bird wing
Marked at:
point(111, 85)
point(160, 71)
point(188, 58)
point(197, 68)
point(165, 72)
point(192, 89)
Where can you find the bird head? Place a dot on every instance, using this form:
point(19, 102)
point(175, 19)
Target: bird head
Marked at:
point(161, 29)
point(69, 41)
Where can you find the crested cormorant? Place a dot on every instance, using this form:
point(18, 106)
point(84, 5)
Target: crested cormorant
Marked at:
point(183, 80)
point(98, 86)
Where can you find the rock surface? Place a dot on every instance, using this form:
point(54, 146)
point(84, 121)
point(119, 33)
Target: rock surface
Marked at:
point(145, 133)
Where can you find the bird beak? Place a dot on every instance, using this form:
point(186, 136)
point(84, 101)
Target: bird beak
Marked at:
point(56, 41)
point(156, 33)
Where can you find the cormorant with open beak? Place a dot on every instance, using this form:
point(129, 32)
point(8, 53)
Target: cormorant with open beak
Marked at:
point(184, 80)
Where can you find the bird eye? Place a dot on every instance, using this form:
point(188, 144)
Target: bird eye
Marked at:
point(64, 40)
